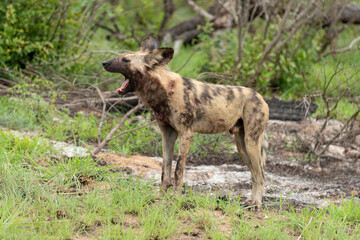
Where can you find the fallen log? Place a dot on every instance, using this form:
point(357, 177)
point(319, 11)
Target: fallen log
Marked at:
point(290, 111)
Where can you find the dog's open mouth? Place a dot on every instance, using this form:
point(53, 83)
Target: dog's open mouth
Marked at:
point(123, 87)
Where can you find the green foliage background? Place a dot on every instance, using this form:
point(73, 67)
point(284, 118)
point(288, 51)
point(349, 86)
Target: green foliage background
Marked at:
point(64, 42)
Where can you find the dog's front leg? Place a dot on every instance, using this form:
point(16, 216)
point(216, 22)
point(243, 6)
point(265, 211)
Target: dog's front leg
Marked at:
point(169, 136)
point(184, 145)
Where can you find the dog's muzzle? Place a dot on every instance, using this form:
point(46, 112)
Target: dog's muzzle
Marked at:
point(106, 63)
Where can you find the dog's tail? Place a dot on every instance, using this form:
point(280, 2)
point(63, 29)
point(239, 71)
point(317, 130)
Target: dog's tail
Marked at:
point(264, 146)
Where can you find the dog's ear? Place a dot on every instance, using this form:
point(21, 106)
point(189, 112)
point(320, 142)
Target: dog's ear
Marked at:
point(159, 57)
point(149, 43)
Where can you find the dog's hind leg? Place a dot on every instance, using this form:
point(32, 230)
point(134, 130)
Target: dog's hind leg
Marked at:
point(253, 150)
point(184, 145)
point(169, 136)
point(250, 152)
point(240, 145)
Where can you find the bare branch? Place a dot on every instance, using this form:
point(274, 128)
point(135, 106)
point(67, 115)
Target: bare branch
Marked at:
point(66, 7)
point(327, 143)
point(169, 8)
point(242, 11)
point(94, 6)
point(229, 6)
point(3, 86)
point(187, 60)
point(95, 101)
point(111, 133)
point(134, 129)
point(202, 12)
point(280, 33)
point(12, 83)
point(341, 50)
point(321, 145)
point(103, 113)
point(305, 228)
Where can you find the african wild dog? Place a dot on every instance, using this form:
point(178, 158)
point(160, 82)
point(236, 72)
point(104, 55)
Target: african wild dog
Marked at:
point(183, 106)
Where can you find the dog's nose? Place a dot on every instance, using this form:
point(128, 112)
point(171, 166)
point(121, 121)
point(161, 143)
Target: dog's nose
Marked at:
point(106, 64)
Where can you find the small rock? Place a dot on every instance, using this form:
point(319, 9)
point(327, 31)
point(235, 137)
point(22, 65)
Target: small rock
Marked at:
point(354, 154)
point(336, 150)
point(70, 150)
point(357, 140)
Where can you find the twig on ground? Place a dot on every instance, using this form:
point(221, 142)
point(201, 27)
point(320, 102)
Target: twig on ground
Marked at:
point(342, 130)
point(94, 101)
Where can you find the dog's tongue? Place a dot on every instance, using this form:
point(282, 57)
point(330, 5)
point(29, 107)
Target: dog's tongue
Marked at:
point(123, 86)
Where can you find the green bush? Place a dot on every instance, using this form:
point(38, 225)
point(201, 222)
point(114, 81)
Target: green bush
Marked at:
point(33, 29)
point(24, 31)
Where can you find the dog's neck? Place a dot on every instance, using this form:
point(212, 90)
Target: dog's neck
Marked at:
point(153, 94)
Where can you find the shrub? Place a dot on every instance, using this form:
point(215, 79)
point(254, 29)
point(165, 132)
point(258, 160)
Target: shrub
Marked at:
point(32, 29)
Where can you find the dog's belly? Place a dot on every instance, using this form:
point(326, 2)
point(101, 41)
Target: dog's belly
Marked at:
point(209, 129)
point(217, 116)
point(212, 125)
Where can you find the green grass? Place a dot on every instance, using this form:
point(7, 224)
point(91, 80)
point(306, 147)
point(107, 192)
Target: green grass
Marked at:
point(22, 149)
point(35, 114)
point(55, 200)
point(25, 115)
point(72, 172)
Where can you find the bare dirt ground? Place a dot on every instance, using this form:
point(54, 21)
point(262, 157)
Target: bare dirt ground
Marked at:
point(289, 176)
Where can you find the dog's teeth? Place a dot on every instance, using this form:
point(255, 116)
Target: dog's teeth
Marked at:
point(124, 85)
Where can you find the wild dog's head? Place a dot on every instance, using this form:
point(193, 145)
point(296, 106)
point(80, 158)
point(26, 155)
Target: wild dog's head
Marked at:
point(135, 66)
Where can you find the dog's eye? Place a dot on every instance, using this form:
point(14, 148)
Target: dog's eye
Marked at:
point(125, 60)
